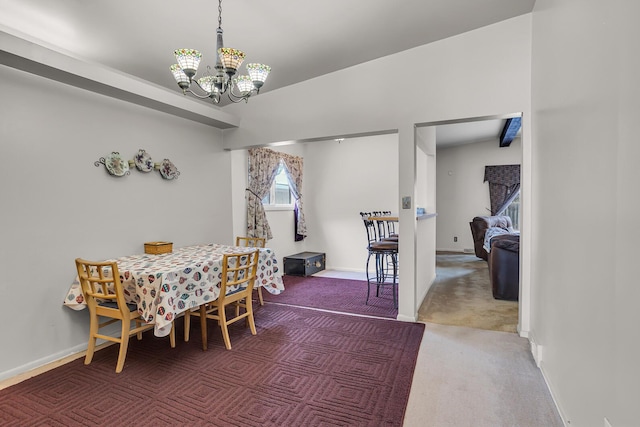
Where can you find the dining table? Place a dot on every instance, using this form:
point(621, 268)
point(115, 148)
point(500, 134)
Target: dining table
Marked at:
point(166, 285)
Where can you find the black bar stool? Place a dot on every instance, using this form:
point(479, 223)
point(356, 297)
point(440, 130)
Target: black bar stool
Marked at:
point(385, 254)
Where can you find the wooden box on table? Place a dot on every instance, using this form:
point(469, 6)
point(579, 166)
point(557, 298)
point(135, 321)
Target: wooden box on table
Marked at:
point(158, 248)
point(304, 263)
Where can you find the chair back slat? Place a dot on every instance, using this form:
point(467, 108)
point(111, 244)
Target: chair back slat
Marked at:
point(238, 273)
point(100, 282)
point(381, 229)
point(252, 242)
point(391, 225)
point(370, 226)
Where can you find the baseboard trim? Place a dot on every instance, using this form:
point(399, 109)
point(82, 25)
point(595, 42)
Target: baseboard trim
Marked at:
point(536, 349)
point(538, 357)
point(41, 366)
point(346, 270)
point(563, 417)
point(403, 318)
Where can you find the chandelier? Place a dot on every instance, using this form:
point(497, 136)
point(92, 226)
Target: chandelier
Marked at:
point(222, 81)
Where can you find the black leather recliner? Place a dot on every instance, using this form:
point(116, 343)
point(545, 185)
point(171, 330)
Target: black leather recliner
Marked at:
point(479, 226)
point(504, 268)
point(503, 258)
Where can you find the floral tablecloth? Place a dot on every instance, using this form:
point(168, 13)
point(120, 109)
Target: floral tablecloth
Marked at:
point(166, 285)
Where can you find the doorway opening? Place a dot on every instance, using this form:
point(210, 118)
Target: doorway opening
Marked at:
point(466, 142)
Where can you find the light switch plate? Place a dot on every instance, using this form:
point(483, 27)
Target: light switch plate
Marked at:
point(406, 202)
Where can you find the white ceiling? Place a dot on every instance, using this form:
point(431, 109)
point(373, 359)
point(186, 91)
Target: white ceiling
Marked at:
point(450, 135)
point(299, 39)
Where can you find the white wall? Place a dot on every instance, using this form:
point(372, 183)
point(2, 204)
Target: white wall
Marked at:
point(461, 194)
point(585, 296)
point(356, 175)
point(480, 73)
point(340, 180)
point(50, 137)
point(425, 271)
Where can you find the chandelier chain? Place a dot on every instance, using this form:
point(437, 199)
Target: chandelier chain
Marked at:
point(219, 13)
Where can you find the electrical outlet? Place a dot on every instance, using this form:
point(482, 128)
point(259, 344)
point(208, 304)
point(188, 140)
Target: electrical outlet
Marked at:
point(455, 238)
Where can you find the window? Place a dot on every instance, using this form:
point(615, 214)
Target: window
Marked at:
point(513, 211)
point(279, 196)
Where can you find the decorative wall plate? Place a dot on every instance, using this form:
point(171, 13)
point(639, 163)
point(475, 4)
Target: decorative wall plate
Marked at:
point(115, 165)
point(168, 170)
point(143, 161)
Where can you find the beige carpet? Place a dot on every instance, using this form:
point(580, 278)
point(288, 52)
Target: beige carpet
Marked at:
point(471, 377)
point(461, 296)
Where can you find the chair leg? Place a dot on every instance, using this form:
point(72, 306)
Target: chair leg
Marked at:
point(138, 324)
point(187, 325)
point(223, 326)
point(394, 287)
point(124, 344)
point(386, 268)
point(252, 323)
point(260, 295)
point(91, 347)
point(172, 335)
point(380, 272)
point(203, 325)
point(366, 269)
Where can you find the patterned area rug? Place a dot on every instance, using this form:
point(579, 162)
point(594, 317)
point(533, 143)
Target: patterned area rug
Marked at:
point(304, 368)
point(461, 296)
point(327, 293)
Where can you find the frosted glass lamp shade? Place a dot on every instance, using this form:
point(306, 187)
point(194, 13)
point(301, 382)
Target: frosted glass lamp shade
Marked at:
point(207, 83)
point(231, 58)
point(181, 78)
point(258, 73)
point(189, 60)
point(244, 84)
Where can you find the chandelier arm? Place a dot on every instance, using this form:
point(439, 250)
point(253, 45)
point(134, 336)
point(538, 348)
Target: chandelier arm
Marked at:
point(215, 97)
point(196, 94)
point(238, 98)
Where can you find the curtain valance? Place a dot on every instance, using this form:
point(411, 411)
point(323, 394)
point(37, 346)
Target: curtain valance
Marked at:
point(503, 174)
point(504, 185)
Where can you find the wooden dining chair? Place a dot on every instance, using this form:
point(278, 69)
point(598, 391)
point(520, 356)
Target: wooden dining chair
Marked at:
point(238, 276)
point(104, 296)
point(253, 242)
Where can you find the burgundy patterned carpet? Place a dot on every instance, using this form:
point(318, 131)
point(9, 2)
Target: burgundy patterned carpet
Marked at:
point(345, 296)
point(304, 368)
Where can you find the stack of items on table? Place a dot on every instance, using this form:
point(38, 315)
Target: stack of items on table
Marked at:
point(498, 243)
